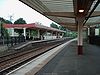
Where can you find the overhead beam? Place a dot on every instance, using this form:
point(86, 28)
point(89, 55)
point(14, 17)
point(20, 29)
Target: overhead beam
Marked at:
point(71, 26)
point(62, 23)
point(93, 23)
point(73, 29)
point(81, 5)
point(60, 14)
point(95, 14)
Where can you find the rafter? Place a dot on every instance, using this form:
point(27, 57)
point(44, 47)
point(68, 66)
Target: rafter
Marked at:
point(71, 28)
point(60, 14)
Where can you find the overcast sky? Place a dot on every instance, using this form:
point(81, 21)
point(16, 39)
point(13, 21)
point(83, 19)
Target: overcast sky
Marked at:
point(19, 10)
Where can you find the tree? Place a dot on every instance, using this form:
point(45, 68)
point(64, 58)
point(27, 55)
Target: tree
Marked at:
point(4, 32)
point(62, 28)
point(5, 21)
point(8, 22)
point(34, 33)
point(54, 26)
point(20, 21)
point(2, 19)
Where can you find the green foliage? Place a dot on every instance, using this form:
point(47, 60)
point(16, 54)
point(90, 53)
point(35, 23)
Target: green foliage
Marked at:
point(20, 21)
point(19, 31)
point(54, 26)
point(2, 19)
point(8, 22)
point(67, 32)
point(62, 28)
point(4, 32)
point(57, 27)
point(34, 33)
point(5, 21)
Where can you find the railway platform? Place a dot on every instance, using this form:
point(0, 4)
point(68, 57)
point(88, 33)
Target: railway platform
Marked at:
point(63, 60)
point(3, 48)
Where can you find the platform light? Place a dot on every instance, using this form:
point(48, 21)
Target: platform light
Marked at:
point(81, 11)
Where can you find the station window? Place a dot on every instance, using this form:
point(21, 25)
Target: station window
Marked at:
point(97, 31)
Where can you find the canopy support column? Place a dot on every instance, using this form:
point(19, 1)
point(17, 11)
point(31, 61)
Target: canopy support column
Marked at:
point(80, 39)
point(38, 33)
point(12, 31)
point(62, 35)
point(56, 34)
point(29, 34)
point(52, 34)
point(24, 32)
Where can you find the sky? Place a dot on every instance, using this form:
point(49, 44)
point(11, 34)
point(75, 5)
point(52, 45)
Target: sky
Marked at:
point(18, 9)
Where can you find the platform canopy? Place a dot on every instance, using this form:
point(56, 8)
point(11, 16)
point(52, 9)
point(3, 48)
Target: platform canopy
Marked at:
point(68, 13)
point(32, 26)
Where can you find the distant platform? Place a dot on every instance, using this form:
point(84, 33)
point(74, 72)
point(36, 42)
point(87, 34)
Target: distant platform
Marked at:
point(3, 48)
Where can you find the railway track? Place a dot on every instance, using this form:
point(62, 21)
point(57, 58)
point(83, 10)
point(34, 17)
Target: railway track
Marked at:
point(13, 61)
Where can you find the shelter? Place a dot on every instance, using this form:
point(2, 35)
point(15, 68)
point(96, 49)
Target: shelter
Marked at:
point(42, 31)
point(73, 14)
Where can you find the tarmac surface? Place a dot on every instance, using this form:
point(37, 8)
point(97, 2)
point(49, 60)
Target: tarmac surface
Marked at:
point(67, 62)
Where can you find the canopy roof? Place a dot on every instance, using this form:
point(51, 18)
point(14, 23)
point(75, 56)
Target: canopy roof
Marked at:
point(66, 12)
point(32, 26)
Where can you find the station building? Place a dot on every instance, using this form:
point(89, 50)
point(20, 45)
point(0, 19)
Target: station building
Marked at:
point(75, 57)
point(34, 31)
point(72, 14)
